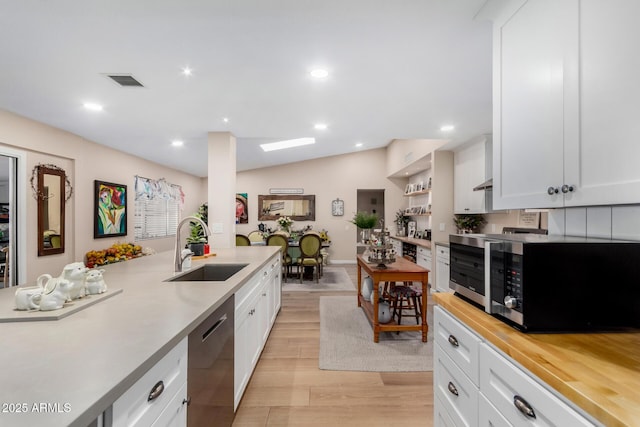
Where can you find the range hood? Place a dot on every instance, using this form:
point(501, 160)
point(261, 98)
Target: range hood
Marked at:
point(487, 185)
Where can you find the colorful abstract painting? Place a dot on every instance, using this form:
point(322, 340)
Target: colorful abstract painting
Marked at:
point(242, 208)
point(110, 218)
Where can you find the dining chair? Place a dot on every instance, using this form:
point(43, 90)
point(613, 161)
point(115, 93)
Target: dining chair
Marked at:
point(287, 261)
point(256, 236)
point(310, 245)
point(242, 240)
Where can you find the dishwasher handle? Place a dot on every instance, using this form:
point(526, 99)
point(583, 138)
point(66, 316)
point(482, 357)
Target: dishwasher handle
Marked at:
point(215, 326)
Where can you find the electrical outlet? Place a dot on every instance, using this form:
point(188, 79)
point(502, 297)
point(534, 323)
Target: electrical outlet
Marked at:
point(493, 228)
point(442, 226)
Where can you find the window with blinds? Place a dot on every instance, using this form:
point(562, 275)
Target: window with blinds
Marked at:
point(157, 209)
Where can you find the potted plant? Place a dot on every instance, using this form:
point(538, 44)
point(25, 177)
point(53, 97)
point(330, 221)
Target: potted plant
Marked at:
point(401, 223)
point(365, 221)
point(197, 238)
point(469, 223)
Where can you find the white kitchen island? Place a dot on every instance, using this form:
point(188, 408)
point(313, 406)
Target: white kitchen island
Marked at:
point(67, 372)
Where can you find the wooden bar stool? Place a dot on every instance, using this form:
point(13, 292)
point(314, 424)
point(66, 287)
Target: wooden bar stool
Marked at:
point(405, 297)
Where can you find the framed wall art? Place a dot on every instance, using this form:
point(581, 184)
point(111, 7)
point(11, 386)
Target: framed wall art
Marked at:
point(110, 217)
point(242, 208)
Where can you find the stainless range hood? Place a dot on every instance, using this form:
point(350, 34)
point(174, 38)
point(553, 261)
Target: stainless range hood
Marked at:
point(487, 185)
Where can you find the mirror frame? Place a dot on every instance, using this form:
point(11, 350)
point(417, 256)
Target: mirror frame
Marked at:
point(286, 197)
point(42, 171)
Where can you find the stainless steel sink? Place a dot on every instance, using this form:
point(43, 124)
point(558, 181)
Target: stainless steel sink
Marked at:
point(209, 273)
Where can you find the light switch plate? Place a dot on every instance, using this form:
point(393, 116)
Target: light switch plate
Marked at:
point(442, 225)
point(216, 228)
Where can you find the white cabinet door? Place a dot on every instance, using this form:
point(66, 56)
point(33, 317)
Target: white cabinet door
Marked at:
point(442, 269)
point(470, 171)
point(175, 414)
point(535, 91)
point(604, 167)
point(247, 344)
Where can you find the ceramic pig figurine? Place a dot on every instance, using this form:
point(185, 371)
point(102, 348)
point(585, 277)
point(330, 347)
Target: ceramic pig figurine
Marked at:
point(94, 282)
point(75, 273)
point(55, 294)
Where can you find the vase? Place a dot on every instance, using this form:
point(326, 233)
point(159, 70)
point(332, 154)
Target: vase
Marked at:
point(366, 235)
point(384, 312)
point(367, 288)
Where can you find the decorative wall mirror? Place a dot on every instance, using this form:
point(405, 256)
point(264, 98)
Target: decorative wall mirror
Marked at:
point(298, 208)
point(51, 196)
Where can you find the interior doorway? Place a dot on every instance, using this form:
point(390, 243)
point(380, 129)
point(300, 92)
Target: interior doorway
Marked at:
point(371, 201)
point(10, 253)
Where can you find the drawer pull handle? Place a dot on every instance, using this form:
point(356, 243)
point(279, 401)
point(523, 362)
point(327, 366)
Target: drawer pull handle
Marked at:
point(452, 389)
point(156, 391)
point(453, 341)
point(187, 401)
point(523, 406)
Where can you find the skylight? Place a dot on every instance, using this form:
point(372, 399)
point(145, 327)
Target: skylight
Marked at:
point(289, 143)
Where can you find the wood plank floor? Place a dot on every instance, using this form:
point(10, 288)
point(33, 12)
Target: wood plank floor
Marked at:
point(288, 388)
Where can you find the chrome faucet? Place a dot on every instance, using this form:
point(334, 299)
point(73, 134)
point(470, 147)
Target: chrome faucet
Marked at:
point(178, 259)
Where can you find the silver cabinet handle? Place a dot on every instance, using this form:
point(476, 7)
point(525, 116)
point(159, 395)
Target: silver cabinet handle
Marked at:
point(523, 406)
point(452, 389)
point(567, 188)
point(156, 391)
point(453, 341)
point(552, 190)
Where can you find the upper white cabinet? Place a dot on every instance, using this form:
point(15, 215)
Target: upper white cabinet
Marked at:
point(564, 110)
point(472, 167)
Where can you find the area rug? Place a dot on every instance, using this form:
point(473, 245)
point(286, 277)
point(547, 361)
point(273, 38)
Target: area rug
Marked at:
point(333, 279)
point(346, 341)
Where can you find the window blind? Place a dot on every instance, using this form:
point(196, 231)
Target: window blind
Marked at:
point(157, 208)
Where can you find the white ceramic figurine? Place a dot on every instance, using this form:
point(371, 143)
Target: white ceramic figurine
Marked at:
point(94, 282)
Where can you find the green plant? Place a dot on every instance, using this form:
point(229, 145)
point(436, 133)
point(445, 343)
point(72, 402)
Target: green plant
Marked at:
point(365, 220)
point(196, 233)
point(469, 222)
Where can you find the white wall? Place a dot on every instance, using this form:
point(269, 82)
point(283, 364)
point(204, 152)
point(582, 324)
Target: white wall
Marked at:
point(84, 161)
point(326, 178)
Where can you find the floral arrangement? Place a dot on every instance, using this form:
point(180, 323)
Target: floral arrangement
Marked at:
point(285, 222)
point(116, 253)
point(469, 222)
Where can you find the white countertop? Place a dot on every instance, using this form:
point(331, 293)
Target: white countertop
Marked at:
point(80, 364)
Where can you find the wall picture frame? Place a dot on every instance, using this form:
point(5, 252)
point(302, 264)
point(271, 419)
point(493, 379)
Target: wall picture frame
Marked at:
point(110, 213)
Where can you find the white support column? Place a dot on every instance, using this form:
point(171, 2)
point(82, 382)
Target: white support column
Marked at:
point(222, 188)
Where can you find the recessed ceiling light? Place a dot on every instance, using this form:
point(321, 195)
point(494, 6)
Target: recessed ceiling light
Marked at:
point(447, 128)
point(187, 71)
point(287, 144)
point(177, 143)
point(225, 119)
point(359, 144)
point(320, 126)
point(319, 73)
point(92, 106)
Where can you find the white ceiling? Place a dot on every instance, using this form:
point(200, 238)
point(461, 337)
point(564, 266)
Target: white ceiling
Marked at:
point(398, 69)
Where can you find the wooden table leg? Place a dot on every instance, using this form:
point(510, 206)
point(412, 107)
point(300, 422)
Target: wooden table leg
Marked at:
point(376, 325)
point(425, 325)
point(359, 284)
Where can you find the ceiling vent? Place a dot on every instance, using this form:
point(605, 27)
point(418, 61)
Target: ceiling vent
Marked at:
point(125, 80)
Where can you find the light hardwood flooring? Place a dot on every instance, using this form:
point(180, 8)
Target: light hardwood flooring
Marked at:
point(288, 388)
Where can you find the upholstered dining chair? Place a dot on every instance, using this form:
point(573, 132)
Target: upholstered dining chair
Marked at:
point(256, 236)
point(310, 245)
point(283, 242)
point(242, 240)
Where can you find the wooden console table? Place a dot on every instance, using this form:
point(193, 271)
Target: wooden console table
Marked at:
point(400, 271)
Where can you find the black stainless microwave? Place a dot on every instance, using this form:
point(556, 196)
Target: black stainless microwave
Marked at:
point(542, 283)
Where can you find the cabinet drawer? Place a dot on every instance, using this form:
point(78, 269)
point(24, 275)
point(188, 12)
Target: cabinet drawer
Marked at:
point(460, 344)
point(454, 389)
point(441, 417)
point(442, 252)
point(133, 408)
point(424, 251)
point(488, 415)
point(506, 385)
point(175, 414)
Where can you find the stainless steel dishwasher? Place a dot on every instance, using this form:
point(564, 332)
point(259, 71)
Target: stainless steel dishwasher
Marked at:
point(210, 374)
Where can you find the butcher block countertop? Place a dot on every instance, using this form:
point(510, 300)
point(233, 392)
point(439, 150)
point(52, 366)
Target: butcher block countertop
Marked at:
point(598, 372)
